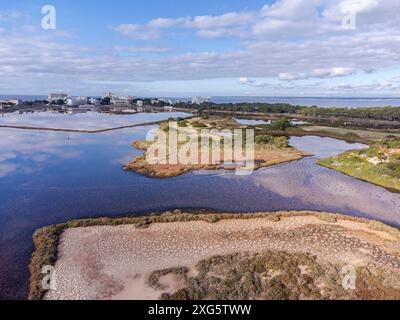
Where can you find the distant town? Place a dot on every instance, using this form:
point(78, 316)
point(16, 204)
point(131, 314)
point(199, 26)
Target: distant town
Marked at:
point(109, 102)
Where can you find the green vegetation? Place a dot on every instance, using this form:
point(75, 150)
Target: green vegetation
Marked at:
point(46, 244)
point(182, 123)
point(297, 131)
point(368, 136)
point(198, 124)
point(376, 113)
point(268, 152)
point(274, 275)
point(378, 164)
point(380, 113)
point(280, 142)
point(250, 107)
point(105, 101)
point(281, 124)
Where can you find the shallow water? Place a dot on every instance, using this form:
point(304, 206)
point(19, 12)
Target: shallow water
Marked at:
point(323, 147)
point(252, 122)
point(50, 177)
point(82, 121)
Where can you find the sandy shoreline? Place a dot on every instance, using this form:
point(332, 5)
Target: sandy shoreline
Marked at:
point(115, 262)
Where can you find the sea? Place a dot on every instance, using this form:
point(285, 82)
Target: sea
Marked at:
point(301, 101)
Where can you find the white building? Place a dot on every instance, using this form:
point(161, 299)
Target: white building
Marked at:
point(139, 103)
point(15, 102)
point(120, 102)
point(199, 100)
point(94, 101)
point(75, 102)
point(10, 102)
point(168, 108)
point(53, 97)
point(129, 111)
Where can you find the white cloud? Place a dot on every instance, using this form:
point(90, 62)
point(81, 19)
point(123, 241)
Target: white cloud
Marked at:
point(222, 21)
point(9, 15)
point(376, 86)
point(256, 84)
point(142, 49)
point(287, 41)
point(138, 32)
point(282, 19)
point(245, 80)
point(29, 28)
point(163, 23)
point(206, 26)
point(317, 73)
point(291, 9)
point(332, 72)
point(290, 77)
point(336, 11)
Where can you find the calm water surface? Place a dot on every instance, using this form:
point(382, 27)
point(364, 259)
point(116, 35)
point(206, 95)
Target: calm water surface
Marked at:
point(82, 121)
point(50, 177)
point(254, 122)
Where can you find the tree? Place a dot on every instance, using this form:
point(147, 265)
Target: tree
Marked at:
point(281, 124)
point(105, 101)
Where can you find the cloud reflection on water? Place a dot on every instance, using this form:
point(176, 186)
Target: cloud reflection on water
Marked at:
point(29, 150)
point(307, 185)
point(82, 121)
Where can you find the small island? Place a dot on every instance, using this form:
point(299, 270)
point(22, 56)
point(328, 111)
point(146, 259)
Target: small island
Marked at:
point(268, 149)
point(378, 164)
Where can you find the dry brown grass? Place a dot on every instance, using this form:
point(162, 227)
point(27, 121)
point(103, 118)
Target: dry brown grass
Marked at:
point(275, 275)
point(148, 164)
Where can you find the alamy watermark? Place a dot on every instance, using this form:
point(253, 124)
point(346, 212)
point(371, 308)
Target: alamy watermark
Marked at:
point(49, 21)
point(349, 277)
point(49, 278)
point(226, 148)
point(349, 20)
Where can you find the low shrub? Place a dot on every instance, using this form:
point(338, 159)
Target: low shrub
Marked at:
point(197, 124)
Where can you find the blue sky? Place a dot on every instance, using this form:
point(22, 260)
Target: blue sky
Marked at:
point(213, 48)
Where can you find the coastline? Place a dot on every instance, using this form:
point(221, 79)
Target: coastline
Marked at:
point(164, 172)
point(47, 240)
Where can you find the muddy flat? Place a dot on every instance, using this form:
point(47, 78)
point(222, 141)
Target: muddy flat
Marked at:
point(116, 262)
